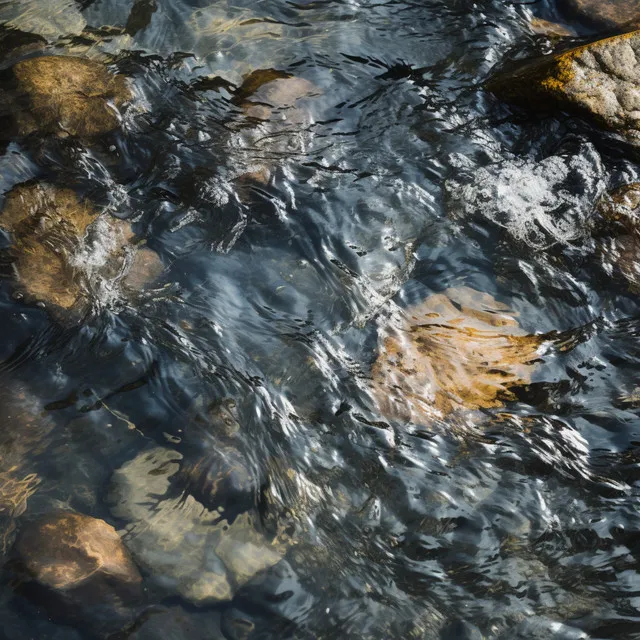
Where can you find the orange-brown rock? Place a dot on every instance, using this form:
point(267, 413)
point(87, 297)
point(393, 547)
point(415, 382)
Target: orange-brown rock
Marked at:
point(620, 251)
point(612, 14)
point(460, 349)
point(68, 95)
point(65, 254)
point(549, 29)
point(47, 224)
point(79, 569)
point(66, 550)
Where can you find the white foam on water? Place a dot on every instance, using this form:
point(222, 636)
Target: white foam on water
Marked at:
point(539, 203)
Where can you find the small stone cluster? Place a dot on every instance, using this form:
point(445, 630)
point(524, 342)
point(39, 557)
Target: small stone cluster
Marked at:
point(189, 519)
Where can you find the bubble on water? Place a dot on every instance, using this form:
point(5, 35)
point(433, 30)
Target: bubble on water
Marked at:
point(540, 203)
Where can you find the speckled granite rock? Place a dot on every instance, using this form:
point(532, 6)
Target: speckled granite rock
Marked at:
point(600, 80)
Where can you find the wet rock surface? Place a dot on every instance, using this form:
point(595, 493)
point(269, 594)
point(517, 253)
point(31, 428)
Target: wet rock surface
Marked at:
point(50, 19)
point(550, 29)
point(68, 96)
point(25, 434)
point(275, 123)
point(461, 349)
point(81, 567)
point(600, 80)
point(65, 254)
point(187, 548)
point(609, 14)
point(620, 248)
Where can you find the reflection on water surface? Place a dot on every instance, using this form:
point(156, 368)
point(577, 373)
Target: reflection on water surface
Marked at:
point(338, 343)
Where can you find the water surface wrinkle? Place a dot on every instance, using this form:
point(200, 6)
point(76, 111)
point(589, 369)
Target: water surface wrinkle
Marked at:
point(374, 373)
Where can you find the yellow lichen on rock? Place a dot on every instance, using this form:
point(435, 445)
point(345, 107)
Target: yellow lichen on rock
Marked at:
point(600, 80)
point(68, 95)
point(457, 350)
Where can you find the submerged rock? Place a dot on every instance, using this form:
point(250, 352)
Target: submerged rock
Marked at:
point(68, 96)
point(277, 124)
point(621, 251)
point(51, 19)
point(81, 566)
point(65, 254)
point(540, 203)
point(600, 80)
point(550, 29)
point(24, 436)
point(606, 13)
point(460, 349)
point(188, 548)
point(272, 89)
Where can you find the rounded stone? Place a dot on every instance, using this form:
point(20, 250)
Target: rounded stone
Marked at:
point(68, 95)
point(606, 13)
point(460, 349)
point(187, 548)
point(65, 550)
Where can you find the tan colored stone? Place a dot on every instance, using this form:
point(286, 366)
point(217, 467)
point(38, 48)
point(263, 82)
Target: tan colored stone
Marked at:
point(50, 19)
point(600, 80)
point(606, 13)
point(65, 254)
point(550, 29)
point(177, 539)
point(267, 89)
point(64, 550)
point(47, 224)
point(145, 267)
point(69, 95)
point(457, 350)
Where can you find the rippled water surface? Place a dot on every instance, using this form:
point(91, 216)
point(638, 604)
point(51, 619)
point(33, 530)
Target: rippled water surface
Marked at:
point(393, 177)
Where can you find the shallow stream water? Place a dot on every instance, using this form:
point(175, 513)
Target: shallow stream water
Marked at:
point(402, 178)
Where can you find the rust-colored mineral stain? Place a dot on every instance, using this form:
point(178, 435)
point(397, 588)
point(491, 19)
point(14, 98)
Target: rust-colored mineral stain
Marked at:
point(457, 350)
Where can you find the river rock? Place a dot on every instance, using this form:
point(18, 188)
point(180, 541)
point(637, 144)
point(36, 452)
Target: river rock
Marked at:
point(612, 14)
point(600, 80)
point(68, 96)
point(187, 548)
point(549, 29)
point(269, 101)
point(65, 254)
point(25, 435)
point(51, 19)
point(620, 251)
point(80, 567)
point(460, 349)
